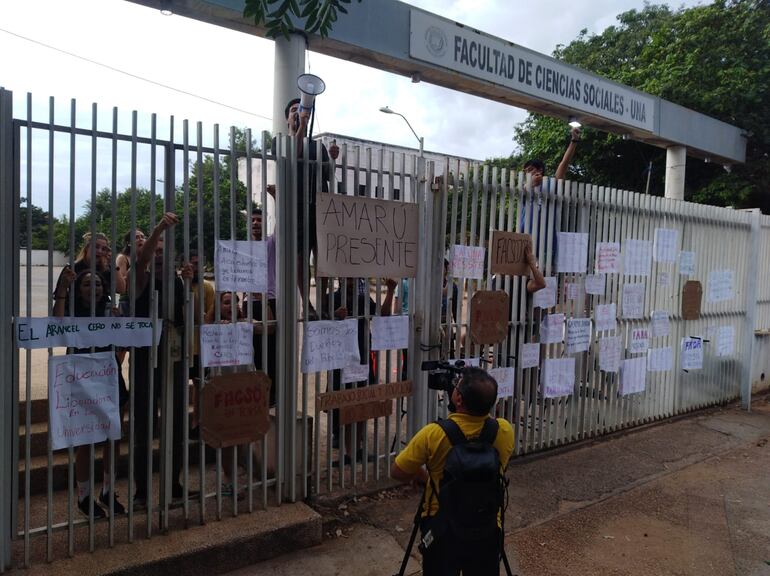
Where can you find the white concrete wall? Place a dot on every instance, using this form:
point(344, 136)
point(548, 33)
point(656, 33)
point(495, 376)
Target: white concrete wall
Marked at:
point(40, 258)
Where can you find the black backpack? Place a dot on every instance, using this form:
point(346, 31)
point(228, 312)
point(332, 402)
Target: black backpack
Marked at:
point(472, 489)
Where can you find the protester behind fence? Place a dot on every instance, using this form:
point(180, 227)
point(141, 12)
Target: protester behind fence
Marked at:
point(132, 244)
point(207, 299)
point(423, 460)
point(102, 262)
point(347, 303)
point(173, 332)
point(80, 288)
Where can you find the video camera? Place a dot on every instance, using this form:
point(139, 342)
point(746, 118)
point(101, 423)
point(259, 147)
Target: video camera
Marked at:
point(443, 374)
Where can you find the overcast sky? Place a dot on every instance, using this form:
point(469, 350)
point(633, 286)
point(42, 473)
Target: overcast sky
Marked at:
point(231, 72)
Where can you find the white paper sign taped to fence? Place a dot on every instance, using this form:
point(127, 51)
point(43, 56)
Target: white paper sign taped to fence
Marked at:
point(720, 286)
point(355, 373)
point(609, 354)
point(607, 258)
point(558, 377)
point(660, 359)
point(692, 353)
point(83, 404)
point(666, 244)
point(639, 341)
point(366, 237)
point(241, 265)
point(595, 284)
point(637, 257)
point(725, 340)
point(633, 375)
point(659, 325)
point(330, 345)
point(606, 317)
point(687, 263)
point(572, 289)
point(663, 279)
point(227, 344)
point(504, 378)
point(530, 355)
point(572, 255)
point(467, 261)
point(546, 297)
point(633, 301)
point(83, 332)
point(578, 335)
point(552, 329)
point(390, 332)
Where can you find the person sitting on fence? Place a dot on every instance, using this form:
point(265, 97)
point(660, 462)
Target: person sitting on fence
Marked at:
point(80, 288)
point(536, 167)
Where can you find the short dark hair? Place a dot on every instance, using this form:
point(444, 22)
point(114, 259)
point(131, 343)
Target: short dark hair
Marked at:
point(536, 164)
point(256, 211)
point(479, 391)
point(291, 103)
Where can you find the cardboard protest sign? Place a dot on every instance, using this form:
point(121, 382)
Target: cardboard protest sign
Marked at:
point(375, 393)
point(365, 411)
point(83, 404)
point(234, 409)
point(241, 265)
point(227, 344)
point(509, 253)
point(489, 316)
point(84, 332)
point(364, 237)
point(329, 345)
point(692, 293)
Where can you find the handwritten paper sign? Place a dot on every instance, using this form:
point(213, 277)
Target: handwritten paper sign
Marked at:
point(573, 290)
point(725, 340)
point(227, 344)
point(546, 297)
point(558, 377)
point(687, 263)
point(633, 375)
point(633, 301)
point(605, 316)
point(329, 345)
point(83, 332)
point(692, 293)
point(640, 341)
point(509, 253)
point(663, 279)
point(489, 316)
point(83, 399)
point(666, 244)
point(578, 335)
point(530, 355)
point(595, 284)
point(572, 255)
point(355, 373)
point(390, 332)
point(720, 285)
point(692, 353)
point(552, 329)
point(609, 354)
point(241, 265)
point(504, 378)
point(363, 237)
point(467, 261)
point(637, 257)
point(659, 325)
point(660, 359)
point(607, 258)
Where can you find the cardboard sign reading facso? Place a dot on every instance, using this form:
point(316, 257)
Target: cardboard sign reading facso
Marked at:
point(467, 51)
point(366, 237)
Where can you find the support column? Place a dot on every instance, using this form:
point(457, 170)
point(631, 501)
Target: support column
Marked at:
point(752, 281)
point(289, 64)
point(676, 159)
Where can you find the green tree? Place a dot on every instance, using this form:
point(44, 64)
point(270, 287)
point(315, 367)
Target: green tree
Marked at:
point(714, 59)
point(280, 16)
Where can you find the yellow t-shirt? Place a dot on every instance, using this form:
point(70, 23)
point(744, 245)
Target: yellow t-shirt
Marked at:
point(209, 296)
point(430, 446)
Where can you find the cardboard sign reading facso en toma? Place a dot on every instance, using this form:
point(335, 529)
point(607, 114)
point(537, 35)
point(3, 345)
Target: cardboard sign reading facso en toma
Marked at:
point(234, 409)
point(509, 253)
point(366, 237)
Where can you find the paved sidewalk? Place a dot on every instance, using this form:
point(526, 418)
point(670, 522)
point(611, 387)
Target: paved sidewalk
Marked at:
point(685, 497)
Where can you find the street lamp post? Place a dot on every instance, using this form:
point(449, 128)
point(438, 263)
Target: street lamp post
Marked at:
point(420, 139)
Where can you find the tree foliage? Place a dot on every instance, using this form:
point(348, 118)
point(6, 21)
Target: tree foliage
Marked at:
point(714, 59)
point(280, 16)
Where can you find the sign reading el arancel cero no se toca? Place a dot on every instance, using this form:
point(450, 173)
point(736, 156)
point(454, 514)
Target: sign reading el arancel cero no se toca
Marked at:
point(445, 43)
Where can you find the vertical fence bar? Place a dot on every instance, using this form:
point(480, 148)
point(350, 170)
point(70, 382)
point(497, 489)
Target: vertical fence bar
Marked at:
point(751, 285)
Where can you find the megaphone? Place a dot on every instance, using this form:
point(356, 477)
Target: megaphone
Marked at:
point(310, 86)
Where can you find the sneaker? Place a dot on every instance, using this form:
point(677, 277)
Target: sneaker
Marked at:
point(83, 506)
point(117, 507)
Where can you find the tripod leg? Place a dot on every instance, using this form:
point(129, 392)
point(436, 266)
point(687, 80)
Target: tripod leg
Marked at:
point(405, 561)
point(504, 556)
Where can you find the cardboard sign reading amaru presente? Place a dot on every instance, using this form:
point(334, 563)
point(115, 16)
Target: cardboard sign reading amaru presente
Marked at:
point(489, 316)
point(364, 237)
point(377, 392)
point(509, 253)
point(234, 409)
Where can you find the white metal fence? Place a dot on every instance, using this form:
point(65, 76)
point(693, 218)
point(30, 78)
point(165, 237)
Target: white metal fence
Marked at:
point(309, 452)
